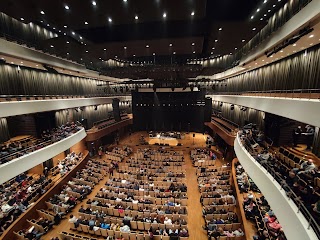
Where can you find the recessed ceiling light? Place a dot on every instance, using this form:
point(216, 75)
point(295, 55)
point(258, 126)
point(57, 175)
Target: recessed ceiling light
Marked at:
point(311, 36)
point(194, 52)
point(164, 15)
point(87, 51)
point(216, 40)
point(153, 54)
point(86, 23)
point(170, 45)
point(110, 20)
point(253, 29)
point(235, 48)
point(125, 0)
point(269, 10)
point(65, 34)
point(211, 53)
point(41, 21)
point(174, 52)
point(116, 56)
point(192, 13)
point(22, 19)
point(193, 44)
point(42, 12)
point(261, 19)
point(220, 29)
point(213, 48)
point(147, 46)
point(67, 53)
point(51, 46)
point(48, 25)
point(73, 33)
point(136, 17)
point(125, 47)
point(80, 37)
point(105, 49)
point(134, 55)
point(273, 5)
point(243, 40)
point(66, 7)
point(265, 1)
point(231, 53)
point(252, 17)
point(264, 15)
point(258, 10)
point(67, 42)
point(65, 26)
point(54, 28)
point(94, 3)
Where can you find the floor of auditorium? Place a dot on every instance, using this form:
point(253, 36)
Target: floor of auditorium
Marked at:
point(195, 219)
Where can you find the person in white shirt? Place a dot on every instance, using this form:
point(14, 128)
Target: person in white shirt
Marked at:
point(167, 221)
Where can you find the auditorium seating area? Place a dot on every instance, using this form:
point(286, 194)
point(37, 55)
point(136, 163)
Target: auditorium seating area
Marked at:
point(219, 203)
point(59, 205)
point(140, 201)
point(14, 149)
point(18, 194)
point(203, 157)
point(256, 207)
point(298, 171)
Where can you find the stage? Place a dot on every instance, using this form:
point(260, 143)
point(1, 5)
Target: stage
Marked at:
point(187, 140)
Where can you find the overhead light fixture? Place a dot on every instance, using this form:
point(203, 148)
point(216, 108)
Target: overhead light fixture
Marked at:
point(220, 29)
point(67, 42)
point(48, 25)
point(136, 17)
point(213, 48)
point(311, 36)
point(105, 49)
point(194, 52)
point(211, 53)
point(174, 53)
point(125, 0)
point(216, 40)
point(243, 40)
point(261, 19)
point(235, 48)
point(110, 20)
point(192, 13)
point(94, 3)
point(253, 29)
point(67, 53)
point(265, 1)
point(87, 51)
point(42, 12)
point(133, 55)
point(86, 23)
point(147, 46)
point(22, 19)
point(153, 54)
point(164, 15)
point(51, 46)
point(170, 45)
point(66, 7)
point(294, 45)
point(258, 10)
point(73, 33)
point(65, 26)
point(193, 44)
point(252, 17)
point(80, 37)
point(269, 10)
point(274, 5)
point(125, 47)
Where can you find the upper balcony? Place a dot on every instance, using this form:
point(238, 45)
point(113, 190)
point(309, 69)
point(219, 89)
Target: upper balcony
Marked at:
point(18, 105)
point(300, 106)
point(21, 164)
point(294, 222)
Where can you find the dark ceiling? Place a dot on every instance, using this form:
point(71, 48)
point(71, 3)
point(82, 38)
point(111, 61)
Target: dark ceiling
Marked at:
point(217, 27)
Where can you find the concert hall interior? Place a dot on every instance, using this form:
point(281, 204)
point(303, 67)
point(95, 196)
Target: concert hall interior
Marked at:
point(159, 120)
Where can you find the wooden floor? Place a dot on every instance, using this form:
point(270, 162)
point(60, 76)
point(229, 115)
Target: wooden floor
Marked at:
point(194, 207)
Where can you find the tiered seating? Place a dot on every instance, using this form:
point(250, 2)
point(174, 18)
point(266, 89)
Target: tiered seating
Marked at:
point(139, 203)
point(61, 204)
point(69, 235)
point(219, 203)
point(18, 194)
point(124, 150)
point(203, 157)
point(12, 150)
point(113, 156)
point(299, 173)
point(256, 208)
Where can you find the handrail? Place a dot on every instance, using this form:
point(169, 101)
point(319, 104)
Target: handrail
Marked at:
point(291, 195)
point(45, 97)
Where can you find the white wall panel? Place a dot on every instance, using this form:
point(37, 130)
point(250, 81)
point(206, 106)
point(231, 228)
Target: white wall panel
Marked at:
point(294, 224)
point(19, 165)
point(33, 106)
point(299, 109)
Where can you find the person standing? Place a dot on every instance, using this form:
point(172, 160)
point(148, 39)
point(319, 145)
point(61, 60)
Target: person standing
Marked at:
point(296, 135)
point(309, 134)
